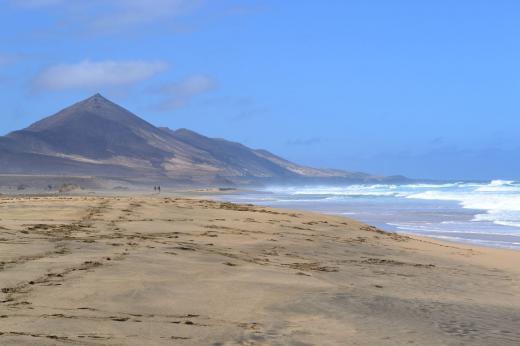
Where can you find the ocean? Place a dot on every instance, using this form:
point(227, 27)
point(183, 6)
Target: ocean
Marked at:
point(478, 213)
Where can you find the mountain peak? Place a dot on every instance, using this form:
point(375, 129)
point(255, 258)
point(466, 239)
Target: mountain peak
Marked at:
point(95, 128)
point(96, 106)
point(97, 99)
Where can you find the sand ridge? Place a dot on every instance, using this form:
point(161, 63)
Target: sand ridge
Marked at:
point(152, 270)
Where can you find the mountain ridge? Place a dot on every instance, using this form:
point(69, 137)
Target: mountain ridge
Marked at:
point(98, 137)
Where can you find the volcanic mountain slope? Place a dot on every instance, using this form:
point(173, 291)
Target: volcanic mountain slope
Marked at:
point(98, 137)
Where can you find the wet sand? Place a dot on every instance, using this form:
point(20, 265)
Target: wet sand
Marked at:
point(150, 270)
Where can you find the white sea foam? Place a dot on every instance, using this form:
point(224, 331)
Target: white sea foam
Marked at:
point(500, 199)
point(507, 223)
point(460, 229)
point(499, 182)
point(500, 186)
point(339, 191)
point(496, 243)
point(474, 200)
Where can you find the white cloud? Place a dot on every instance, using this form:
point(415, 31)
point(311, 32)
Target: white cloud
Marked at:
point(180, 93)
point(89, 74)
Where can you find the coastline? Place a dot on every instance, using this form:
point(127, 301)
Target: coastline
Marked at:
point(141, 269)
point(493, 257)
point(422, 210)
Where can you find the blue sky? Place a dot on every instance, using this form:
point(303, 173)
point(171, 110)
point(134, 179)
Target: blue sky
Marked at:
point(422, 88)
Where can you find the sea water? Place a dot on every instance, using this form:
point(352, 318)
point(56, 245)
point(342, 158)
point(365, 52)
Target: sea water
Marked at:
point(480, 213)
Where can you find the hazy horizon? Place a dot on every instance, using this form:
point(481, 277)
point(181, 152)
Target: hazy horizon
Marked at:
point(426, 90)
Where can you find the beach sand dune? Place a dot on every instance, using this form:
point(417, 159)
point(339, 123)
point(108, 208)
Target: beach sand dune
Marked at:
point(148, 270)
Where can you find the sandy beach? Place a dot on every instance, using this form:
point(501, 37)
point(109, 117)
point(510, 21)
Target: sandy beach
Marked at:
point(160, 270)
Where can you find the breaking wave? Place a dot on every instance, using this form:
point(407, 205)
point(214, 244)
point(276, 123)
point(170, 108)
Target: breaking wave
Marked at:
point(499, 200)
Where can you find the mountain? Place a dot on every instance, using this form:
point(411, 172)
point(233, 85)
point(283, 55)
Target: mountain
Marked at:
point(98, 137)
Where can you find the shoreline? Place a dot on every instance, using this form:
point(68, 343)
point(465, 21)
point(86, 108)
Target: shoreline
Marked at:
point(495, 257)
point(211, 193)
point(487, 240)
point(461, 242)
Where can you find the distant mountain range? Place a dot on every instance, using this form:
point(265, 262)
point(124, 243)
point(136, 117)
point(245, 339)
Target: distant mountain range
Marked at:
point(100, 138)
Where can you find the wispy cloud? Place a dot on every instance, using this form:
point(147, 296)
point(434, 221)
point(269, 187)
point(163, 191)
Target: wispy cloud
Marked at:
point(250, 112)
point(36, 3)
point(242, 108)
point(6, 58)
point(95, 74)
point(128, 13)
point(243, 9)
point(111, 16)
point(178, 94)
point(305, 141)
